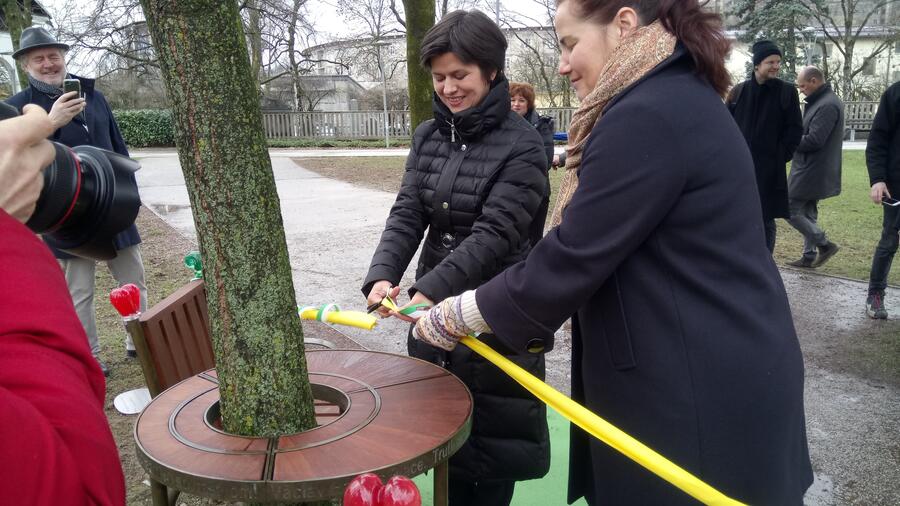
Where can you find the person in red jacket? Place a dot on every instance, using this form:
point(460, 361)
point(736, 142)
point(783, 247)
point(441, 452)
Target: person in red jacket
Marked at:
point(56, 444)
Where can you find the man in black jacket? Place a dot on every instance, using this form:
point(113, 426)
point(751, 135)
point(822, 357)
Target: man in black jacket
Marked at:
point(883, 162)
point(79, 120)
point(767, 110)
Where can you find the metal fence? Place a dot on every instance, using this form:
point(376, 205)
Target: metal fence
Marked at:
point(370, 124)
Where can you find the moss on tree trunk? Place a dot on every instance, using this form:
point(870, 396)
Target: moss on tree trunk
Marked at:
point(255, 328)
point(419, 19)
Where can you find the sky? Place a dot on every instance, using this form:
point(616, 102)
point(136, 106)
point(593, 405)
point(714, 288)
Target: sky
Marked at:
point(326, 15)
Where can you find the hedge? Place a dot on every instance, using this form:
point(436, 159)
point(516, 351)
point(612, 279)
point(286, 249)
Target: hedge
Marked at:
point(146, 127)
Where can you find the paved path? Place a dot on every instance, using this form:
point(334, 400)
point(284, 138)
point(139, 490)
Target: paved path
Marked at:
point(332, 228)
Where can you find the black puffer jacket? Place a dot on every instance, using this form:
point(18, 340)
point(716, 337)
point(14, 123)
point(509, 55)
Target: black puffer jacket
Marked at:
point(474, 181)
point(546, 127)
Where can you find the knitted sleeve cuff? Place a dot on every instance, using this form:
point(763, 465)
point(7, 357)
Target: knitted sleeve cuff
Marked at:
point(470, 314)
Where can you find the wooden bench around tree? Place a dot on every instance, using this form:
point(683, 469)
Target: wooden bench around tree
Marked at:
point(173, 344)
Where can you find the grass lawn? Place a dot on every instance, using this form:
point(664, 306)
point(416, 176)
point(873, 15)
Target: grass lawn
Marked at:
point(850, 219)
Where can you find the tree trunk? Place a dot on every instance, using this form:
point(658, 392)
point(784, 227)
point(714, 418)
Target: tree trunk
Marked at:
point(254, 34)
point(419, 19)
point(18, 17)
point(257, 338)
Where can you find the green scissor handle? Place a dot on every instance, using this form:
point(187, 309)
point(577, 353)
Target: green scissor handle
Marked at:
point(415, 307)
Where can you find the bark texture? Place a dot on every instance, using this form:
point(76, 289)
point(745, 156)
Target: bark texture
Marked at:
point(419, 19)
point(257, 338)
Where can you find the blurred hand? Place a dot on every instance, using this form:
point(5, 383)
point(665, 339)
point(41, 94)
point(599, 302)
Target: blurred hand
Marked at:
point(555, 162)
point(879, 191)
point(379, 291)
point(24, 152)
point(418, 298)
point(65, 108)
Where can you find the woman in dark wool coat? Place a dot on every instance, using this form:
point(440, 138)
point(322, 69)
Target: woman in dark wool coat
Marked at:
point(474, 180)
point(682, 333)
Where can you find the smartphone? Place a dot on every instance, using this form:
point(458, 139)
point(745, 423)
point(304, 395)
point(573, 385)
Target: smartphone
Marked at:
point(890, 202)
point(72, 85)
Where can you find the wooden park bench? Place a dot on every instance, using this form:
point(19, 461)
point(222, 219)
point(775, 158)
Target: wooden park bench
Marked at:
point(858, 116)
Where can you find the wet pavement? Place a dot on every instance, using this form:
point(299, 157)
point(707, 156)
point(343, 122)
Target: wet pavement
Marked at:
point(853, 417)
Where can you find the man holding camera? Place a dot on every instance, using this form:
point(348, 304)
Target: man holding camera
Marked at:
point(79, 118)
point(883, 162)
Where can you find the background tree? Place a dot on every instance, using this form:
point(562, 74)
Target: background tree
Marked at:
point(255, 328)
point(419, 19)
point(17, 17)
point(537, 60)
point(780, 21)
point(844, 23)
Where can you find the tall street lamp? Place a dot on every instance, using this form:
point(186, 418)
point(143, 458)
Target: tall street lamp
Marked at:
point(379, 45)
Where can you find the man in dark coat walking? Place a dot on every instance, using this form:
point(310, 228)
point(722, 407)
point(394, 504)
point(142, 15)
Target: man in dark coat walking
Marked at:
point(816, 169)
point(767, 110)
point(883, 162)
point(79, 120)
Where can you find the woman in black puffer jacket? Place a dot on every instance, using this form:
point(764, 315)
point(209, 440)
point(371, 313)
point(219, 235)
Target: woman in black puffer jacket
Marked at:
point(474, 180)
point(521, 99)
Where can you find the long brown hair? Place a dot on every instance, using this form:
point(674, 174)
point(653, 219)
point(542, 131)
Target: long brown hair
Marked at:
point(698, 30)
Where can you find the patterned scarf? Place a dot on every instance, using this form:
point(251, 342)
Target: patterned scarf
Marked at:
point(635, 56)
point(43, 87)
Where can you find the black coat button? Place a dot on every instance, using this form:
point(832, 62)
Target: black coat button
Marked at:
point(535, 346)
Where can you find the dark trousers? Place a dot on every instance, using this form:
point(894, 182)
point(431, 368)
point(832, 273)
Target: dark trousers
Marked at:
point(482, 493)
point(769, 226)
point(884, 251)
point(804, 217)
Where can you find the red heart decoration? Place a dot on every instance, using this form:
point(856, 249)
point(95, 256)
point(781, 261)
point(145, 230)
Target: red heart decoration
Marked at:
point(123, 301)
point(135, 294)
point(363, 491)
point(400, 491)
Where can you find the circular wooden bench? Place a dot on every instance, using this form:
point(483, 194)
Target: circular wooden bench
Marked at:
point(377, 412)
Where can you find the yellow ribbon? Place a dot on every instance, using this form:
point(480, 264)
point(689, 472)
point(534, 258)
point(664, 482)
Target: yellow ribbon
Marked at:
point(603, 430)
point(571, 410)
point(331, 313)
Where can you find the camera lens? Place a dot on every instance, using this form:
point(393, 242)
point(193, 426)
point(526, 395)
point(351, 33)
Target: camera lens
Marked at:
point(89, 196)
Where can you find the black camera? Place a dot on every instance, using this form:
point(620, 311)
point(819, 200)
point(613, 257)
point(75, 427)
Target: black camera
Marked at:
point(89, 196)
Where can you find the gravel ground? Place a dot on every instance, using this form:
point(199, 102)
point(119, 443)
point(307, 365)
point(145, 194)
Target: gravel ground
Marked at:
point(852, 363)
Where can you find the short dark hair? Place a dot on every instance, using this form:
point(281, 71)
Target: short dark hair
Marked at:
point(471, 36)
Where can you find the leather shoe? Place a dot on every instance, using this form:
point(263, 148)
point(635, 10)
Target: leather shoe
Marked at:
point(826, 251)
point(803, 262)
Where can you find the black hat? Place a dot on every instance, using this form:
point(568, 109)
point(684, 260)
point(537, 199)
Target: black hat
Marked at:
point(35, 37)
point(763, 49)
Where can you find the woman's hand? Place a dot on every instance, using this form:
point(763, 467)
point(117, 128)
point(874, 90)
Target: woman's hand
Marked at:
point(418, 298)
point(442, 326)
point(379, 291)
